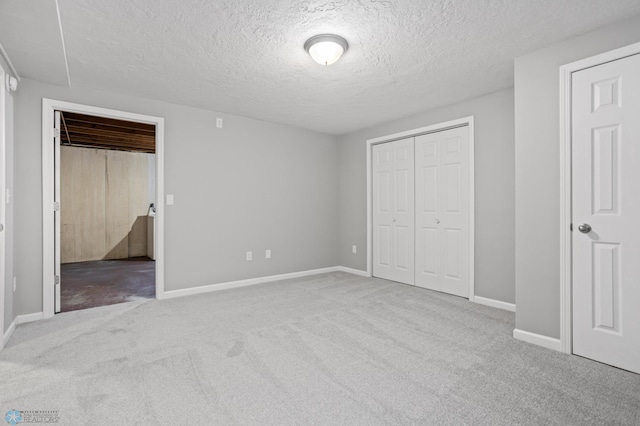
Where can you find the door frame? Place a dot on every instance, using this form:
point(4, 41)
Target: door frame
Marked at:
point(48, 175)
point(566, 249)
point(3, 200)
point(439, 127)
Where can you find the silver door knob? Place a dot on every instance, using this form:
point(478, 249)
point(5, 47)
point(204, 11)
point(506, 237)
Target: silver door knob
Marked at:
point(585, 228)
point(394, 220)
point(437, 221)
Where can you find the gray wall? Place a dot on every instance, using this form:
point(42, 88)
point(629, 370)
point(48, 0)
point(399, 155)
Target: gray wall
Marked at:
point(9, 216)
point(251, 185)
point(494, 188)
point(537, 125)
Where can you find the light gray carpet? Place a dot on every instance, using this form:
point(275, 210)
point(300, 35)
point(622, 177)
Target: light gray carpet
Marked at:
point(326, 349)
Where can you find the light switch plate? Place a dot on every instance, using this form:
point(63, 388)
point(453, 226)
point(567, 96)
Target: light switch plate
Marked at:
point(170, 199)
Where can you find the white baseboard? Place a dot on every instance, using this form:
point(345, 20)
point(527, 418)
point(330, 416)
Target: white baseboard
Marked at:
point(511, 307)
point(538, 339)
point(242, 283)
point(353, 271)
point(21, 319)
point(8, 333)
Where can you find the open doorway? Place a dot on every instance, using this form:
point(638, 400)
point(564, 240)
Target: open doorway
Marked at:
point(107, 211)
point(101, 138)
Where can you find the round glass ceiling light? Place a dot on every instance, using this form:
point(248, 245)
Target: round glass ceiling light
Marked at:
point(326, 49)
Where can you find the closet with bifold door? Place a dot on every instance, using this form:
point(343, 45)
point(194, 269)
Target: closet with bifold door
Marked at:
point(421, 204)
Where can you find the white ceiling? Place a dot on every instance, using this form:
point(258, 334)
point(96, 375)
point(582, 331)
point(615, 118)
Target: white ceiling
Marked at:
point(246, 57)
point(30, 32)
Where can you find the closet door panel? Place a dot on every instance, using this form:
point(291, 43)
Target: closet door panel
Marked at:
point(428, 201)
point(442, 216)
point(394, 211)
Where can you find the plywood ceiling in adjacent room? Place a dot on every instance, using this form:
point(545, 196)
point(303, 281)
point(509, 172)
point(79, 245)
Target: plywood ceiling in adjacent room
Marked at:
point(107, 133)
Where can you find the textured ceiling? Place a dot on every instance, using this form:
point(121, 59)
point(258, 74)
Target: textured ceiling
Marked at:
point(30, 32)
point(246, 57)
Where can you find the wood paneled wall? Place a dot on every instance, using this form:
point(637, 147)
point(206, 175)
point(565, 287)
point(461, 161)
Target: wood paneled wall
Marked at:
point(104, 204)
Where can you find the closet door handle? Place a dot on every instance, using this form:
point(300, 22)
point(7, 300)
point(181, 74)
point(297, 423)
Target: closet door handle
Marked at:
point(437, 221)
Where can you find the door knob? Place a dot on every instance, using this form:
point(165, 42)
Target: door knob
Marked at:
point(585, 228)
point(394, 220)
point(437, 221)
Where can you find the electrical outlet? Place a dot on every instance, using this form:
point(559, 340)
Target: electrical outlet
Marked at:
point(267, 254)
point(219, 123)
point(354, 249)
point(249, 255)
point(15, 284)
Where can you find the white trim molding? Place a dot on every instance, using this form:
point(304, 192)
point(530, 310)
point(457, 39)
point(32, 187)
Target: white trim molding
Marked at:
point(353, 271)
point(5, 56)
point(3, 189)
point(23, 319)
point(461, 122)
point(64, 47)
point(20, 319)
point(566, 72)
point(7, 334)
point(170, 294)
point(538, 339)
point(511, 307)
point(48, 174)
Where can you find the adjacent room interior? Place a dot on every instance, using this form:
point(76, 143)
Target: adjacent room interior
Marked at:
point(107, 211)
point(320, 212)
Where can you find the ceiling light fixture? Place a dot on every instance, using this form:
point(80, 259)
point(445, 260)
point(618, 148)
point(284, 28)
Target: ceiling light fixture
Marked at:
point(326, 49)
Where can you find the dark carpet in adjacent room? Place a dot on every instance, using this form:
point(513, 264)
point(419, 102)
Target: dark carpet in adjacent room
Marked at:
point(106, 282)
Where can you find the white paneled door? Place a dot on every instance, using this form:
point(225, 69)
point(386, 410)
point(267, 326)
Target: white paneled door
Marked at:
point(393, 211)
point(606, 213)
point(442, 211)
